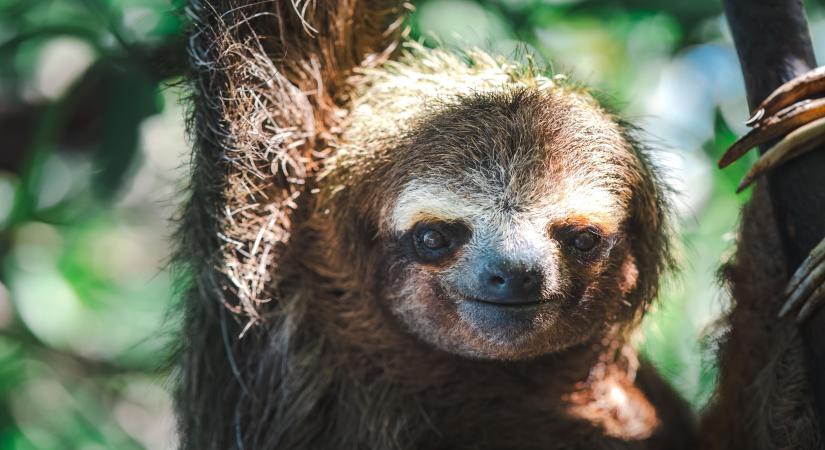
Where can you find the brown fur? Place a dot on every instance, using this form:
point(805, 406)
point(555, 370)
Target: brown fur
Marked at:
point(763, 400)
point(310, 156)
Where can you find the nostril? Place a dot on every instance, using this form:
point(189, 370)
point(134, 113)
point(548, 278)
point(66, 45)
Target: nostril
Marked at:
point(527, 281)
point(497, 280)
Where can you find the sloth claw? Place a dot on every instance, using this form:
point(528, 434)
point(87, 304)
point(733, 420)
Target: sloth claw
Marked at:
point(789, 110)
point(807, 286)
point(775, 126)
point(755, 117)
point(807, 85)
point(798, 142)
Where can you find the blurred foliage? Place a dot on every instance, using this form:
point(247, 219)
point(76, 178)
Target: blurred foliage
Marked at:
point(93, 162)
point(92, 140)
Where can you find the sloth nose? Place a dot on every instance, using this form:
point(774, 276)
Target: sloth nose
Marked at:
point(510, 284)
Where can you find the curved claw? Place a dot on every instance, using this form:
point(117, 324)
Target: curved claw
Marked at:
point(800, 141)
point(814, 302)
point(755, 117)
point(774, 126)
point(807, 85)
point(807, 286)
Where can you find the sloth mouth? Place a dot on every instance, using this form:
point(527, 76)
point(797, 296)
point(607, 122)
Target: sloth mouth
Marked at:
point(511, 303)
point(514, 305)
point(507, 305)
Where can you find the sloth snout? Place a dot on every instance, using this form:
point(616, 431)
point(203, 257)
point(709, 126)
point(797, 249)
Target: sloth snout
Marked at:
point(504, 282)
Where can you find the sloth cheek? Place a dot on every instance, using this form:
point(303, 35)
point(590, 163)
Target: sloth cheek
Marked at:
point(629, 275)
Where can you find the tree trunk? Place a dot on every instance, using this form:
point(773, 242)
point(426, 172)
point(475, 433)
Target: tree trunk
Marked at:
point(774, 45)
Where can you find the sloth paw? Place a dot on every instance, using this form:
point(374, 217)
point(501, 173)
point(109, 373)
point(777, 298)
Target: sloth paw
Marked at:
point(788, 110)
point(806, 290)
point(795, 110)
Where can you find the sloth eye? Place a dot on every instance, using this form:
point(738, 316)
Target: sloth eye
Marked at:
point(434, 241)
point(584, 241)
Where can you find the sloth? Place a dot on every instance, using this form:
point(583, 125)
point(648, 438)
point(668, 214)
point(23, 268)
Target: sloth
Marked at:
point(459, 261)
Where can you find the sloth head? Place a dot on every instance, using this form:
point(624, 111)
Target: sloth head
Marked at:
point(505, 225)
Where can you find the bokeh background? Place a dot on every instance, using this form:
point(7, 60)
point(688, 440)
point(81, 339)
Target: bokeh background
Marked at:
point(94, 162)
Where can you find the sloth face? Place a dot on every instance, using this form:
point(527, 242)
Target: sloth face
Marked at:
point(506, 226)
point(493, 282)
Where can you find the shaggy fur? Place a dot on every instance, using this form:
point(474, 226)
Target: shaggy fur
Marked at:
point(310, 326)
point(764, 400)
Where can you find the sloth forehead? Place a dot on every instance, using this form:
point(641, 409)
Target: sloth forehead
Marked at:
point(491, 157)
point(567, 200)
